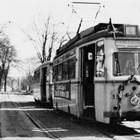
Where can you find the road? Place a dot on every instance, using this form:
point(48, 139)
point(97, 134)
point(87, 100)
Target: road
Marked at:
point(21, 119)
point(14, 123)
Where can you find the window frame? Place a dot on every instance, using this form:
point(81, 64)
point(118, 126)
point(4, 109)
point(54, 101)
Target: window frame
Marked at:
point(101, 71)
point(119, 73)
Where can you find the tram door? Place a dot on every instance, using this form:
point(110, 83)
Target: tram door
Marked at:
point(43, 84)
point(88, 80)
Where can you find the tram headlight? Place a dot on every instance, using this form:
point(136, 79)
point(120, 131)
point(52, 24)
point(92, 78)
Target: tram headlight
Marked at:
point(134, 88)
point(134, 100)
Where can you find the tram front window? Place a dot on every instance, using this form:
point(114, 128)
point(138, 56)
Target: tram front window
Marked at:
point(123, 64)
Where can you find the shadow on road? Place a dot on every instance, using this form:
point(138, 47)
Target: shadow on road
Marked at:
point(54, 123)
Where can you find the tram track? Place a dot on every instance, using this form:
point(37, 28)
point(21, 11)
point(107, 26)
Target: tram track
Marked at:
point(115, 131)
point(75, 121)
point(35, 122)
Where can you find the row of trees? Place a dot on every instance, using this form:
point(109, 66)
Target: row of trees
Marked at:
point(47, 36)
point(7, 58)
point(44, 36)
point(27, 67)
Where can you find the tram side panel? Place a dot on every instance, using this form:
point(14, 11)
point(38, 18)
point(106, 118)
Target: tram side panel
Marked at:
point(65, 100)
point(36, 85)
point(65, 83)
point(42, 87)
point(106, 102)
point(100, 96)
point(105, 87)
point(36, 92)
point(49, 92)
point(74, 101)
point(46, 83)
point(49, 85)
point(102, 89)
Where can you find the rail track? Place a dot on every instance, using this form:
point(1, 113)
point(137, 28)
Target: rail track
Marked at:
point(35, 121)
point(125, 130)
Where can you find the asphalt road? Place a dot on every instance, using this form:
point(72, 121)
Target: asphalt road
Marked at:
point(44, 124)
point(14, 123)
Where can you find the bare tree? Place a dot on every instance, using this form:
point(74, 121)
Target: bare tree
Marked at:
point(7, 56)
point(39, 38)
point(44, 36)
point(27, 68)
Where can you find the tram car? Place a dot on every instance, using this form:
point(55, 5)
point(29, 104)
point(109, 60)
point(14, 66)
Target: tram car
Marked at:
point(42, 86)
point(96, 74)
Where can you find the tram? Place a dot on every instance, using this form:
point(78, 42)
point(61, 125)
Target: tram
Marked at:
point(42, 86)
point(96, 74)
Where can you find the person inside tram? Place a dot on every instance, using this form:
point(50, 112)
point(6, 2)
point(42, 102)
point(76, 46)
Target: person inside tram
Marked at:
point(100, 63)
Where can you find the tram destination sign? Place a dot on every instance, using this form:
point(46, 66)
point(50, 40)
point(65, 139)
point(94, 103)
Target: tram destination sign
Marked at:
point(127, 43)
point(131, 30)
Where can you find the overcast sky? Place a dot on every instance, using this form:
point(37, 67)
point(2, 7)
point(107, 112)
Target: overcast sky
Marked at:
point(21, 13)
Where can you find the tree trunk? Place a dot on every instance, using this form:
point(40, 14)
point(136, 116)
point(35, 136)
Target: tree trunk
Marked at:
point(5, 76)
point(0, 84)
point(5, 83)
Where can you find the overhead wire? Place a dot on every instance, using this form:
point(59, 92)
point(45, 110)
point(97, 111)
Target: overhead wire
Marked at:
point(85, 3)
point(74, 12)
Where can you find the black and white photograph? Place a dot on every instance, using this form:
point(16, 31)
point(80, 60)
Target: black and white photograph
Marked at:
point(69, 70)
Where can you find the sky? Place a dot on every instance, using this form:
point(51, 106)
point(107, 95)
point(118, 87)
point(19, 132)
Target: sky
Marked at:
point(22, 13)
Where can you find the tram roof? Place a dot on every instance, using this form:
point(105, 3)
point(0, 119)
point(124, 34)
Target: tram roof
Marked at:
point(43, 65)
point(92, 33)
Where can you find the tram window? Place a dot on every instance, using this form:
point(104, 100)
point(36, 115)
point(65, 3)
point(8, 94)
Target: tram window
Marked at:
point(100, 58)
point(36, 77)
point(65, 71)
point(59, 72)
point(138, 67)
point(116, 65)
point(55, 73)
point(124, 64)
point(47, 75)
point(71, 68)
